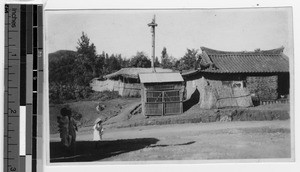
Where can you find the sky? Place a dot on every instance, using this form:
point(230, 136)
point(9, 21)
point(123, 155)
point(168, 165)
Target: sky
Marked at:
point(125, 31)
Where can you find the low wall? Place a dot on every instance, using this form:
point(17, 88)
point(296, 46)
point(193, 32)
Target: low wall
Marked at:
point(124, 89)
point(106, 85)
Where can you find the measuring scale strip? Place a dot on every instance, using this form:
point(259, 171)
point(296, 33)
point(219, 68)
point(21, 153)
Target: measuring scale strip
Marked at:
point(23, 91)
point(12, 16)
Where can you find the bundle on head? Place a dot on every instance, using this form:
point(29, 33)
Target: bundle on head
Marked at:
point(65, 112)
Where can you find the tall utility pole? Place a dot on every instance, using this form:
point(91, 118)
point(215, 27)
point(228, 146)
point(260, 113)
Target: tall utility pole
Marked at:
point(153, 25)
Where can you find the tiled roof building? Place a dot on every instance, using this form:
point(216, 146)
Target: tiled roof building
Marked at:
point(268, 61)
point(265, 73)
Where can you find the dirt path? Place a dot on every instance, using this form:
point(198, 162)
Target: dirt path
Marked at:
point(202, 141)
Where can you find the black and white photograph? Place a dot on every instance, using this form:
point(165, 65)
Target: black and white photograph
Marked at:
point(170, 85)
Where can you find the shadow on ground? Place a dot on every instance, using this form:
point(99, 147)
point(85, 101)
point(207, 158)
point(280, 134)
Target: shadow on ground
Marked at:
point(87, 151)
point(192, 101)
point(181, 144)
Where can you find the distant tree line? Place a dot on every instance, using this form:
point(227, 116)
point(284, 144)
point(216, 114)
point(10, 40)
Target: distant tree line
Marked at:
point(187, 62)
point(70, 72)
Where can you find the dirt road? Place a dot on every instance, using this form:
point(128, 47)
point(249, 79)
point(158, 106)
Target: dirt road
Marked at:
point(202, 141)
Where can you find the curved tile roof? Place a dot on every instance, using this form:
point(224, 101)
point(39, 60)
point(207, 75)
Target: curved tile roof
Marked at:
point(245, 62)
point(269, 52)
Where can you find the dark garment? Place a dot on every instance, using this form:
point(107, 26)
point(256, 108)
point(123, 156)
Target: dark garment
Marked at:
point(67, 129)
point(72, 130)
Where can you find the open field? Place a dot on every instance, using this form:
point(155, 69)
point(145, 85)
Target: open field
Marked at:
point(201, 141)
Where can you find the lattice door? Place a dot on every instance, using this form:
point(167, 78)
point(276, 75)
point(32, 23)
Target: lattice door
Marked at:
point(172, 102)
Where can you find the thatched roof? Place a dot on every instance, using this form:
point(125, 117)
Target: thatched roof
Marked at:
point(134, 72)
point(262, 61)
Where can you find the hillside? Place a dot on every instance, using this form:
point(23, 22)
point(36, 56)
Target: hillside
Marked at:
point(58, 55)
point(85, 111)
point(126, 112)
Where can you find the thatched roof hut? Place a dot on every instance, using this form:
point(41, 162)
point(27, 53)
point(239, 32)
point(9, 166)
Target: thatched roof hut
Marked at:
point(125, 81)
point(133, 73)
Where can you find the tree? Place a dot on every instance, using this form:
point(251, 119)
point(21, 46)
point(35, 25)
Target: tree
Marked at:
point(123, 61)
point(140, 60)
point(257, 50)
point(61, 76)
point(156, 62)
point(113, 64)
point(61, 64)
point(166, 60)
point(100, 64)
point(86, 61)
point(164, 53)
point(188, 61)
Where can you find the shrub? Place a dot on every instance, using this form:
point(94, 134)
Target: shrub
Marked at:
point(59, 93)
point(104, 95)
point(264, 87)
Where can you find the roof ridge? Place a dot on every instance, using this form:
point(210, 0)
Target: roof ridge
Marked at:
point(263, 61)
point(276, 51)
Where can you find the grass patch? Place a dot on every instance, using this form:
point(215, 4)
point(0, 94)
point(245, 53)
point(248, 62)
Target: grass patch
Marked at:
point(266, 130)
point(86, 111)
point(103, 96)
point(197, 115)
point(117, 114)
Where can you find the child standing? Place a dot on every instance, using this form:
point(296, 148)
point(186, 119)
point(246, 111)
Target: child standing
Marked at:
point(98, 130)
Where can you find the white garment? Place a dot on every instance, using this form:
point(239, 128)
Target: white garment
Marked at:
point(98, 130)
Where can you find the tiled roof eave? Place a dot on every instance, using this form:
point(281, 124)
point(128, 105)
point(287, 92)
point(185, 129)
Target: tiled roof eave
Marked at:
point(210, 51)
point(229, 72)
